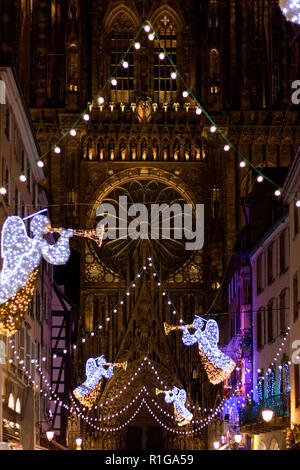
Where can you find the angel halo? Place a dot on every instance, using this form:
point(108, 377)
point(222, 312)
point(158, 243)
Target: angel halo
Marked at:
point(21, 257)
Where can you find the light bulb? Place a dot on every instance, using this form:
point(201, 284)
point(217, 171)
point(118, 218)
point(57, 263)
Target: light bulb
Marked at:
point(298, 203)
point(23, 178)
point(173, 75)
point(185, 94)
point(277, 193)
point(57, 149)
point(137, 45)
point(114, 82)
point(213, 129)
point(260, 178)
point(242, 164)
point(125, 64)
point(147, 28)
point(198, 111)
point(73, 132)
point(3, 191)
point(40, 163)
point(100, 100)
point(151, 37)
point(86, 117)
point(161, 56)
point(226, 148)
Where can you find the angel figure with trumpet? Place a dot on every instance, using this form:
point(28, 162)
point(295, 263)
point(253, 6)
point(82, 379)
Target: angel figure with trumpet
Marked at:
point(95, 371)
point(21, 256)
point(177, 396)
point(217, 365)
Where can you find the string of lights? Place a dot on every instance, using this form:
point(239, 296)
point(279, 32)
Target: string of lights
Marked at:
point(199, 109)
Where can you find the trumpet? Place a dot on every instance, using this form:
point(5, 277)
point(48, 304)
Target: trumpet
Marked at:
point(157, 391)
point(95, 235)
point(168, 328)
point(119, 364)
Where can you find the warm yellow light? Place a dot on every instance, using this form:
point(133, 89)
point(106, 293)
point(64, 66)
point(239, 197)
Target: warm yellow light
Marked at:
point(267, 414)
point(50, 435)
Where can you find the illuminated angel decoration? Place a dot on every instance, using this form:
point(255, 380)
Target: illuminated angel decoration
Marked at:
point(95, 370)
point(21, 256)
point(217, 365)
point(177, 396)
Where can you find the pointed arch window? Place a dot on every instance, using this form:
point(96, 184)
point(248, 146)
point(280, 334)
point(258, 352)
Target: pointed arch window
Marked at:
point(165, 87)
point(121, 36)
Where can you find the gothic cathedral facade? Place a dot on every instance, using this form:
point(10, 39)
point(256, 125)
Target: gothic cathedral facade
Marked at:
point(146, 142)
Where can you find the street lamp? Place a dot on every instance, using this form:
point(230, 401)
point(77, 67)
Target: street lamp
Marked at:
point(267, 414)
point(238, 438)
point(50, 435)
point(78, 443)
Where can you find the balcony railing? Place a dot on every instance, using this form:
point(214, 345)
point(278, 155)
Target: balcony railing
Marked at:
point(280, 404)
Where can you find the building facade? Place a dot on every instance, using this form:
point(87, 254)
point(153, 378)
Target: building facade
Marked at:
point(292, 189)
point(24, 410)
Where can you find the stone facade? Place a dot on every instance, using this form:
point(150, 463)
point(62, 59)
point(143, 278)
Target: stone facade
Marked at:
point(147, 140)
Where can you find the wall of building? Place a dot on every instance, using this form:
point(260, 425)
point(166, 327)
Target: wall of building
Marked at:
point(24, 409)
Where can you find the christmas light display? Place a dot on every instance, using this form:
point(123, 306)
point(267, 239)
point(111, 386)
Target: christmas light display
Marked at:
point(217, 365)
point(21, 257)
point(88, 392)
point(178, 397)
point(291, 10)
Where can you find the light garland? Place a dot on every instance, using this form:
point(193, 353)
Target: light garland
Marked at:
point(88, 420)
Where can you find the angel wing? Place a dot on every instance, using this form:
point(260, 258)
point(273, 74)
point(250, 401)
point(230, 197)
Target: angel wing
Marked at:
point(14, 243)
point(211, 332)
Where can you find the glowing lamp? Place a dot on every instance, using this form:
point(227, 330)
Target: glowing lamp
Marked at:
point(78, 443)
point(40, 164)
point(173, 75)
point(213, 129)
point(226, 148)
point(100, 100)
point(216, 445)
point(277, 193)
point(298, 203)
point(73, 132)
point(151, 37)
point(238, 438)
point(114, 82)
point(161, 56)
point(137, 45)
point(23, 178)
point(267, 414)
point(3, 191)
point(125, 64)
point(260, 178)
point(50, 435)
point(198, 111)
point(242, 164)
point(291, 10)
point(185, 94)
point(147, 28)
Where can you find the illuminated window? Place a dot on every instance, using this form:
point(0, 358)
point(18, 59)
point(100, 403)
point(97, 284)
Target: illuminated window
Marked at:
point(164, 86)
point(121, 37)
point(18, 406)
point(11, 402)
